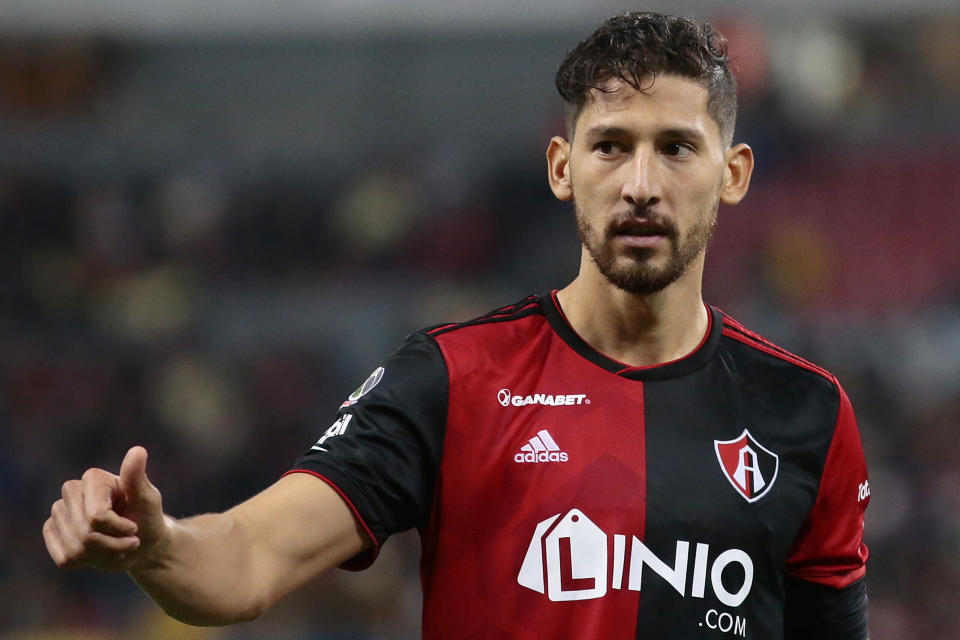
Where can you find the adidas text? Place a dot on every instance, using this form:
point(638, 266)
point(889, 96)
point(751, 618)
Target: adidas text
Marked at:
point(541, 448)
point(542, 456)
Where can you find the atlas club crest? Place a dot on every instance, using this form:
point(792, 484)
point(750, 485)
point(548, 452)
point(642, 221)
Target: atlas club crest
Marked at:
point(749, 466)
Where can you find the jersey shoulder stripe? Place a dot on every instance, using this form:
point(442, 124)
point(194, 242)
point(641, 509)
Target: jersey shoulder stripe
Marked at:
point(526, 307)
point(735, 330)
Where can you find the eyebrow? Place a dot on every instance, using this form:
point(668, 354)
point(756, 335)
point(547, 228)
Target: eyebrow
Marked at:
point(606, 131)
point(682, 133)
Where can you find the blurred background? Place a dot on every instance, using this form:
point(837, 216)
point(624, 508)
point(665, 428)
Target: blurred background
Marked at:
point(215, 220)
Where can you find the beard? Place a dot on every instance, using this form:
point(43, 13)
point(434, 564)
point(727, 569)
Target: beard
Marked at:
point(632, 272)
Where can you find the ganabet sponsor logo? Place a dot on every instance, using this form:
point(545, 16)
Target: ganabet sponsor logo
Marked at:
point(567, 560)
point(507, 399)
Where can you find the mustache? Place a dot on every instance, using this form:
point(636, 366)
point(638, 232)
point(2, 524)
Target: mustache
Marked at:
point(641, 222)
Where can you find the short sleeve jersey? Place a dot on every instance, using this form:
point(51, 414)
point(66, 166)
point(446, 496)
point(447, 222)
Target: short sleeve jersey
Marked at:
point(562, 494)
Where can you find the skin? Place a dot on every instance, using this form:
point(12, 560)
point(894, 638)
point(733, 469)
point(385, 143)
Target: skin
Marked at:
point(646, 171)
point(639, 164)
point(212, 569)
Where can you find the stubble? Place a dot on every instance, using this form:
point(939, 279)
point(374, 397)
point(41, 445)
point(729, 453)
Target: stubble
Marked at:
point(631, 269)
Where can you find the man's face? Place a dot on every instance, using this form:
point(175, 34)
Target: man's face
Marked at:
point(646, 171)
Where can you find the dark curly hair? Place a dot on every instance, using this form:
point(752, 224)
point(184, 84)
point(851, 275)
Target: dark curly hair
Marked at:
point(636, 47)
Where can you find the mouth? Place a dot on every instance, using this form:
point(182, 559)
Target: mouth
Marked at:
point(641, 233)
point(641, 241)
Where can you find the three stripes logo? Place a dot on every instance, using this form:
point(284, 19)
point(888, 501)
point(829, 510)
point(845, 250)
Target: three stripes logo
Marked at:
point(541, 448)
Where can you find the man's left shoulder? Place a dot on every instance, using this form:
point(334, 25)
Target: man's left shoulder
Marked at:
point(770, 358)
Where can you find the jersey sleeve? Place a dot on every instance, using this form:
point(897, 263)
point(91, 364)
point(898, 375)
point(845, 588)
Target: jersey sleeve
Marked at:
point(827, 562)
point(382, 452)
point(826, 613)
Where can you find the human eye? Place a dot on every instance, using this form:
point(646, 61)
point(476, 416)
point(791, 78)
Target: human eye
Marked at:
point(607, 147)
point(678, 149)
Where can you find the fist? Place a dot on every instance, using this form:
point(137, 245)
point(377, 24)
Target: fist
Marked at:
point(106, 521)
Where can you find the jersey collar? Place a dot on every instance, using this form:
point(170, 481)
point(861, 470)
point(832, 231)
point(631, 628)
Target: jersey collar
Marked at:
point(693, 361)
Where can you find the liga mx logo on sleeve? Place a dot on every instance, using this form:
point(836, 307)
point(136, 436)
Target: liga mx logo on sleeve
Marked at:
point(749, 466)
point(365, 388)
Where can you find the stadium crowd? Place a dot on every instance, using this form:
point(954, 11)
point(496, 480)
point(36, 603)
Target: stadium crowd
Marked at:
point(218, 311)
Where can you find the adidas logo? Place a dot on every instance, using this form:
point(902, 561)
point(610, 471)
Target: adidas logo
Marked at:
point(541, 448)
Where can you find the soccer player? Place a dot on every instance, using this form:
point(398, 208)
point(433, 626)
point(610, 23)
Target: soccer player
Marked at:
point(614, 459)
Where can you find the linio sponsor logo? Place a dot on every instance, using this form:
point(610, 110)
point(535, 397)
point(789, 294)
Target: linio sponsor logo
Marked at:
point(567, 560)
point(507, 399)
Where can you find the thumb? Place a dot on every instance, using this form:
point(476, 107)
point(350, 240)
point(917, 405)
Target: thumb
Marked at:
point(133, 476)
point(141, 500)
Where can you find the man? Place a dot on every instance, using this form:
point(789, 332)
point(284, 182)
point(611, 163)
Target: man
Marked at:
point(611, 460)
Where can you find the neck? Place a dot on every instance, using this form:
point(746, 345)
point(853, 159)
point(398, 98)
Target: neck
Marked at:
point(640, 330)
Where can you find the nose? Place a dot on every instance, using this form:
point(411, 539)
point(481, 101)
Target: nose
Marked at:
point(640, 185)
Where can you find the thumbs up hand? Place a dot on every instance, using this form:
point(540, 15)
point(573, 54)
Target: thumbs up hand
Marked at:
point(107, 521)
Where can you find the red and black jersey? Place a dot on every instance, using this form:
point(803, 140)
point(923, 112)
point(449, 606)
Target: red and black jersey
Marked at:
point(562, 494)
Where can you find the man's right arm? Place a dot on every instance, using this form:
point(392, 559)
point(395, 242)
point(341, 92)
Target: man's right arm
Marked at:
point(211, 569)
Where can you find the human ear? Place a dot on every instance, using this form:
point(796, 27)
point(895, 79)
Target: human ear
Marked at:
point(558, 168)
point(736, 175)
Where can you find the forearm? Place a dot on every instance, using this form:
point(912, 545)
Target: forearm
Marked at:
point(217, 569)
point(203, 571)
point(213, 569)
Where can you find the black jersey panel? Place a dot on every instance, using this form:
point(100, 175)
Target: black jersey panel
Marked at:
point(826, 613)
point(383, 451)
point(734, 454)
